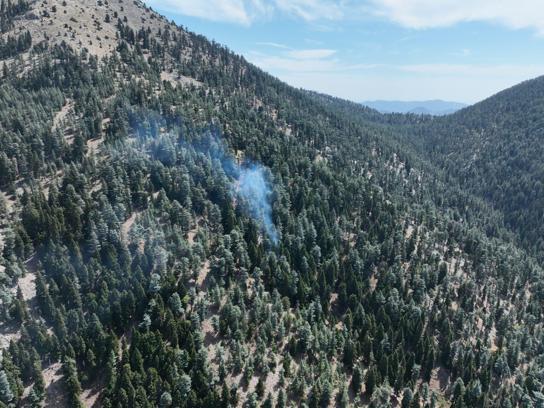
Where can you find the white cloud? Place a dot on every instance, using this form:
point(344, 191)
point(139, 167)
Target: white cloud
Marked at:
point(418, 14)
point(274, 45)
point(232, 11)
point(311, 54)
point(286, 61)
point(296, 61)
point(465, 52)
point(304, 61)
point(325, 70)
point(312, 10)
point(246, 12)
point(515, 14)
point(321, 70)
point(375, 84)
point(474, 70)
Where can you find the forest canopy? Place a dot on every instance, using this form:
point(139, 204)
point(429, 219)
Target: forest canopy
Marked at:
point(181, 229)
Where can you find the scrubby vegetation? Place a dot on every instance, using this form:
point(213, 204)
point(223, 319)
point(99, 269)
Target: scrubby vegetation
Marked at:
point(130, 262)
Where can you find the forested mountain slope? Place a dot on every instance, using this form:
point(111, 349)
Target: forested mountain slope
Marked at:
point(181, 229)
point(495, 150)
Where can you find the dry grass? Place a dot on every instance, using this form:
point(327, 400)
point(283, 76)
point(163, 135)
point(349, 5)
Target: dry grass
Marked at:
point(202, 275)
point(8, 204)
point(82, 23)
point(440, 380)
point(7, 334)
point(175, 79)
point(91, 25)
point(60, 116)
point(27, 284)
point(93, 146)
point(91, 397)
point(55, 394)
point(127, 225)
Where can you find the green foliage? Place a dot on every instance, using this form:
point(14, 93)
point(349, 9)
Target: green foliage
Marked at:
point(154, 282)
point(493, 150)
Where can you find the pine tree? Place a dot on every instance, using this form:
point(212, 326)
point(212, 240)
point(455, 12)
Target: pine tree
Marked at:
point(6, 395)
point(72, 381)
point(166, 400)
point(184, 385)
point(281, 401)
point(259, 389)
point(175, 304)
point(371, 379)
point(343, 398)
point(356, 379)
point(407, 397)
point(268, 402)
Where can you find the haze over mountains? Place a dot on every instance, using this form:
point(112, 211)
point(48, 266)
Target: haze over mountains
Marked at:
point(181, 229)
point(432, 107)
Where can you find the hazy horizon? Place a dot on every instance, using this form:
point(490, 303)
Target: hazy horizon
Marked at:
point(377, 49)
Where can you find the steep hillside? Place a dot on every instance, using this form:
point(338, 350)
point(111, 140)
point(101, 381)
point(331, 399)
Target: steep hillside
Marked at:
point(494, 149)
point(181, 229)
point(82, 24)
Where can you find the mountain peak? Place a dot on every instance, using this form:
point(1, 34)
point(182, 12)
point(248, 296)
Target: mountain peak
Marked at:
point(82, 24)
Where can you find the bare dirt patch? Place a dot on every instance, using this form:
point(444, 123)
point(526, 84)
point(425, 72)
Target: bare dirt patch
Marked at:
point(373, 282)
point(191, 236)
point(27, 284)
point(127, 225)
point(90, 397)
point(61, 115)
point(202, 275)
point(93, 146)
point(7, 334)
point(176, 79)
point(86, 24)
point(55, 393)
point(440, 380)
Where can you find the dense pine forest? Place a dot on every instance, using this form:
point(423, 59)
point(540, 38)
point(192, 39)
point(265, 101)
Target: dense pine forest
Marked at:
point(180, 229)
point(494, 150)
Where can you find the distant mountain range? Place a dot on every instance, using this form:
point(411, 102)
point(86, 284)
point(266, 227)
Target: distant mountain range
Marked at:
point(434, 107)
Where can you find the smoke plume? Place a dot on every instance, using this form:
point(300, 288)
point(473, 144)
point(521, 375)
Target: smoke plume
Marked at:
point(252, 187)
point(249, 183)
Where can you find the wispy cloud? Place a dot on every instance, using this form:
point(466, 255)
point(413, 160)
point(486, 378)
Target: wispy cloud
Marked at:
point(465, 52)
point(313, 10)
point(245, 12)
point(474, 70)
point(312, 54)
point(274, 45)
point(419, 14)
point(305, 60)
point(326, 61)
point(379, 84)
point(327, 72)
point(346, 71)
point(242, 12)
point(286, 64)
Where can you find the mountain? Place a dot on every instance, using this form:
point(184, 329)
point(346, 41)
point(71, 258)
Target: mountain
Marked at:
point(180, 228)
point(433, 107)
point(494, 149)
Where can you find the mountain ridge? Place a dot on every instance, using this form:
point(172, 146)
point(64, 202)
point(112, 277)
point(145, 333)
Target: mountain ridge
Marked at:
point(137, 272)
point(428, 107)
point(493, 148)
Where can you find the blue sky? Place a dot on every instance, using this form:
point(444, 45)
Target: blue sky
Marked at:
point(461, 50)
